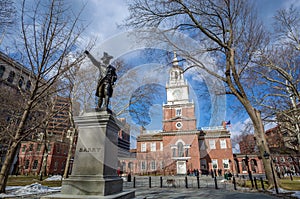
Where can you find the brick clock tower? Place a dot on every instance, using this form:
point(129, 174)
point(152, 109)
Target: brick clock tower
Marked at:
point(178, 113)
point(180, 135)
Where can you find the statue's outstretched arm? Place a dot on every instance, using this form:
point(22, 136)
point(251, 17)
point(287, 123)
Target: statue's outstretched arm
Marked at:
point(94, 61)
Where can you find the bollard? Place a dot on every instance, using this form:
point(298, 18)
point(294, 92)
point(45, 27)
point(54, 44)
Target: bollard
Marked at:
point(133, 182)
point(161, 182)
point(216, 184)
point(234, 182)
point(262, 184)
point(149, 182)
point(186, 182)
point(198, 182)
point(291, 176)
point(255, 183)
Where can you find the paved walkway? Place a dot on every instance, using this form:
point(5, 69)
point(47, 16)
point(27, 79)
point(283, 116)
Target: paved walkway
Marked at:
point(179, 193)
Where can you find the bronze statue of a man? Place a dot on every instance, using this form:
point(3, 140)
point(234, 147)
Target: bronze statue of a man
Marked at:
point(107, 78)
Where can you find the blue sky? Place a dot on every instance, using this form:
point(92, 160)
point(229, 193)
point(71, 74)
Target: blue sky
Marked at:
point(103, 18)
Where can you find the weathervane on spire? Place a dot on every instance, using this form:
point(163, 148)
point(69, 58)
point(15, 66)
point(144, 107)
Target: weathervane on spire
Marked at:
point(175, 60)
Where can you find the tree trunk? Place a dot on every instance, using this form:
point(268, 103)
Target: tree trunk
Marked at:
point(43, 171)
point(254, 114)
point(11, 152)
point(263, 147)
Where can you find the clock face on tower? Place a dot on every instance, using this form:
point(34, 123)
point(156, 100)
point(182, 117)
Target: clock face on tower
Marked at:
point(177, 94)
point(178, 125)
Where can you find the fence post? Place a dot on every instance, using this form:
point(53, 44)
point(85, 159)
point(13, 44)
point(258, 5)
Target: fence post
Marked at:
point(133, 182)
point(216, 184)
point(149, 181)
point(161, 182)
point(262, 183)
point(234, 183)
point(255, 183)
point(198, 182)
point(186, 182)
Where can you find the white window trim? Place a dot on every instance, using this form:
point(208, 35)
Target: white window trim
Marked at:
point(143, 147)
point(153, 163)
point(145, 165)
point(223, 144)
point(225, 161)
point(212, 163)
point(161, 146)
point(212, 144)
point(153, 146)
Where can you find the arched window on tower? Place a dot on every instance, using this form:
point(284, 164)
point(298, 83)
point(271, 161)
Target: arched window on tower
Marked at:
point(176, 75)
point(180, 149)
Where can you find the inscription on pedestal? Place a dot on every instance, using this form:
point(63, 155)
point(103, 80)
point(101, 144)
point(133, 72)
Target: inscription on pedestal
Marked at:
point(89, 150)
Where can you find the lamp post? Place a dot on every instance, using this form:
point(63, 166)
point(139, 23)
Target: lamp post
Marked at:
point(70, 135)
point(248, 169)
point(267, 155)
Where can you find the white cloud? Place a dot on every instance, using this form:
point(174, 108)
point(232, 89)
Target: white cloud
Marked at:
point(104, 16)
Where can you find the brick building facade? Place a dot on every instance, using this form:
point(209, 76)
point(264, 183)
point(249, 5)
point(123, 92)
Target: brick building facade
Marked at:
point(52, 146)
point(285, 160)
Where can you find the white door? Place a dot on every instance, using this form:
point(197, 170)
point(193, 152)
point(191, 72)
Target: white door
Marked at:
point(181, 167)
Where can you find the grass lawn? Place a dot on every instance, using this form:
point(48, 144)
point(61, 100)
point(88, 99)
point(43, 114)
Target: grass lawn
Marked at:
point(27, 180)
point(285, 183)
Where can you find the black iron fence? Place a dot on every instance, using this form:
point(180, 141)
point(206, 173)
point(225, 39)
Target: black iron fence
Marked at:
point(178, 182)
point(219, 182)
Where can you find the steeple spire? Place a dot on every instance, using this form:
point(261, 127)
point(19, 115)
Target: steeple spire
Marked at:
point(175, 60)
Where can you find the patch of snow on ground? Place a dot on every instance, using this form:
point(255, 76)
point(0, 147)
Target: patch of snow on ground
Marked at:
point(54, 178)
point(296, 194)
point(33, 189)
point(280, 190)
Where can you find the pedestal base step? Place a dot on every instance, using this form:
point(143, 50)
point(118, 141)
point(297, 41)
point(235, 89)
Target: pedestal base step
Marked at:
point(121, 195)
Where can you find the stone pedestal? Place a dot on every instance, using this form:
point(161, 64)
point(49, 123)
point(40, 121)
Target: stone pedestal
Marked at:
point(94, 172)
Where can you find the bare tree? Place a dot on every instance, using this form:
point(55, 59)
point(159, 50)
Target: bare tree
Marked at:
point(226, 30)
point(280, 61)
point(50, 32)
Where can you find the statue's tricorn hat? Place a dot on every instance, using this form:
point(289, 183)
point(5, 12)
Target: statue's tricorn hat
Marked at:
point(106, 57)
